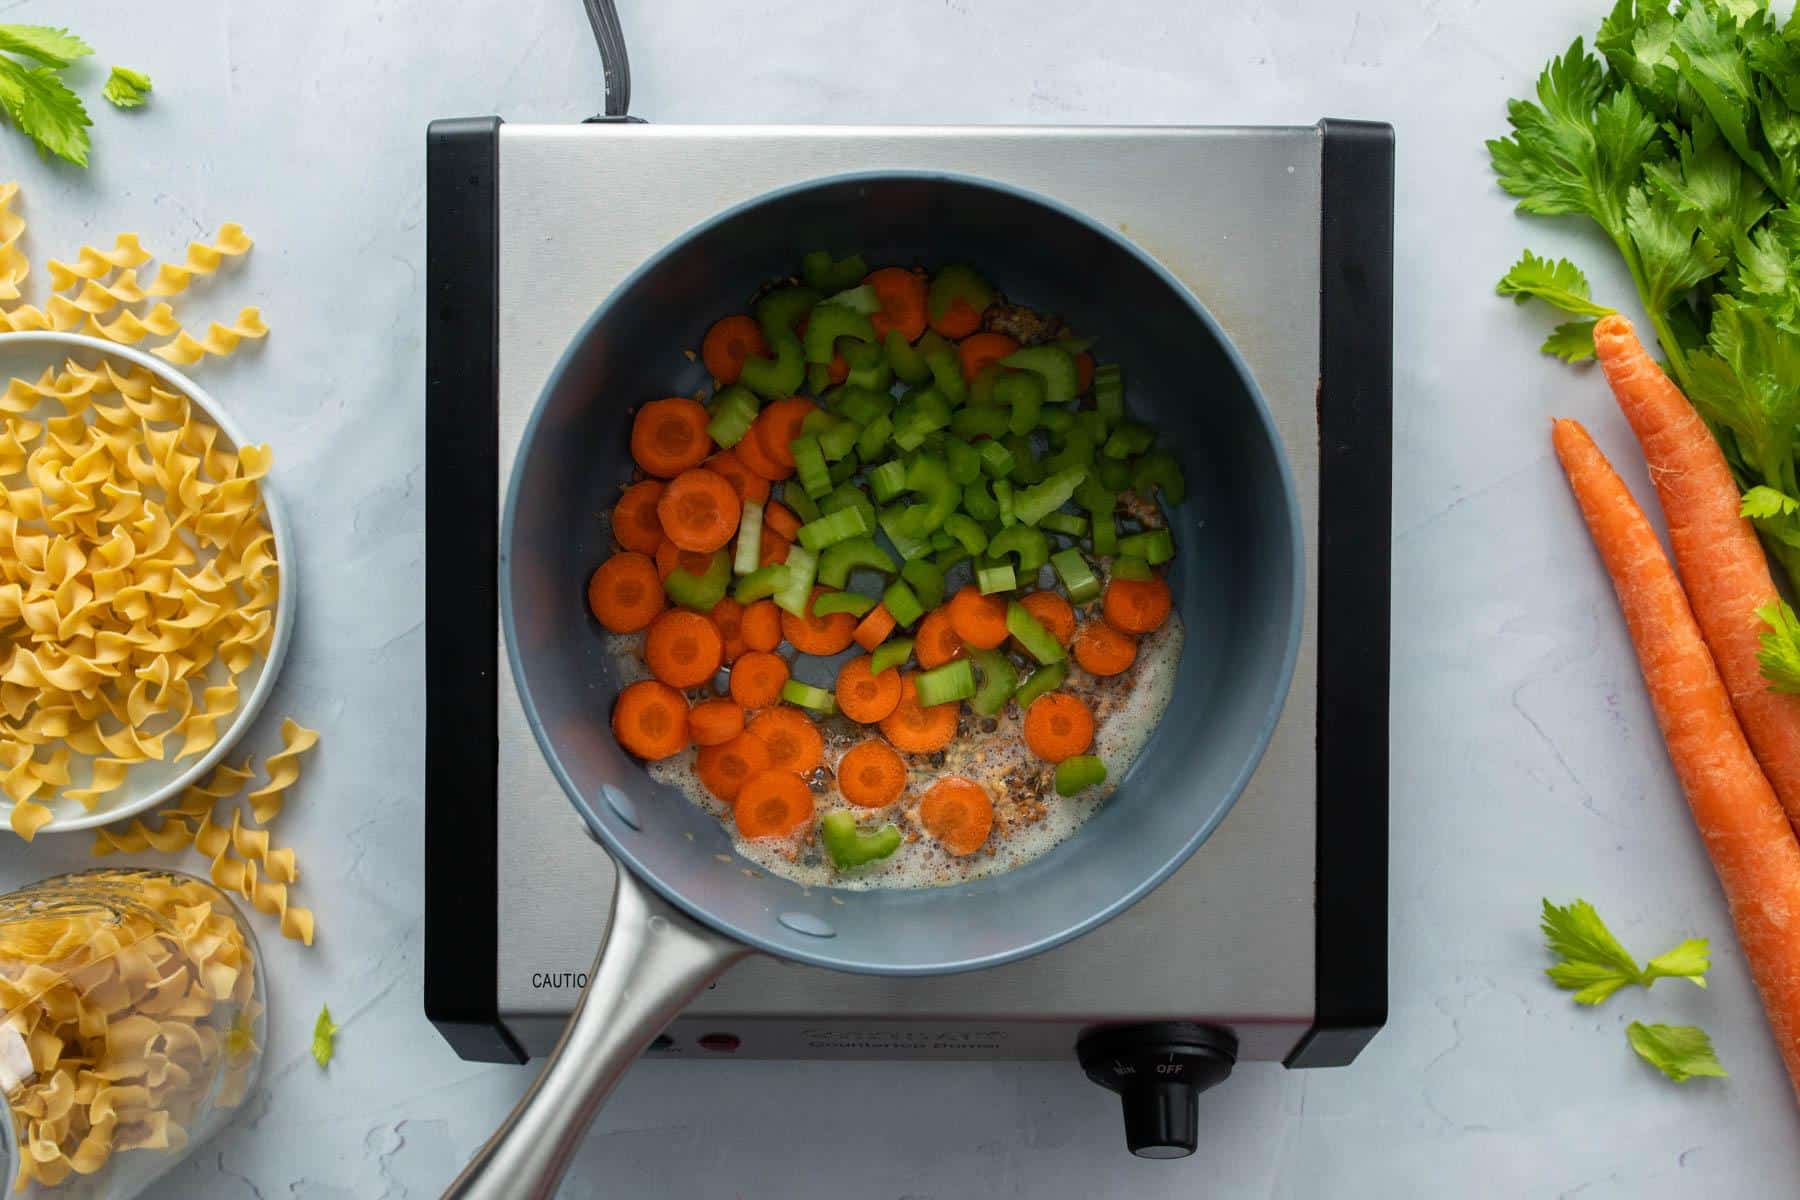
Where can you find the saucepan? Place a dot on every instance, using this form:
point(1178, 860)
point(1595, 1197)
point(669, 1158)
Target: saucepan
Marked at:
point(680, 915)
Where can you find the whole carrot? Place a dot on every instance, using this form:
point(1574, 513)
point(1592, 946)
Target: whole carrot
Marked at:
point(1741, 822)
point(1721, 563)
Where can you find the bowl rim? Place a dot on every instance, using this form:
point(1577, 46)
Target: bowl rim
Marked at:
point(252, 705)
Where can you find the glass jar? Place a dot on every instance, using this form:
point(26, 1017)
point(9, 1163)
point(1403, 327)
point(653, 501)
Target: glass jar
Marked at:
point(132, 1019)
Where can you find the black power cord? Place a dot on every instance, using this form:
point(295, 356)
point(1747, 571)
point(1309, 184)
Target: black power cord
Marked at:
point(603, 15)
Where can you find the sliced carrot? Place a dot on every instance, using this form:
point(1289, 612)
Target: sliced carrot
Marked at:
point(728, 617)
point(778, 425)
point(776, 803)
point(761, 626)
point(863, 696)
point(813, 634)
point(728, 343)
point(780, 518)
point(917, 730)
point(751, 453)
point(793, 740)
point(669, 437)
point(871, 774)
point(650, 720)
point(670, 556)
point(724, 768)
point(1058, 726)
point(774, 549)
point(979, 621)
point(1137, 605)
point(874, 628)
point(936, 642)
point(958, 813)
point(980, 349)
point(747, 483)
point(1052, 612)
point(757, 676)
point(635, 524)
point(699, 510)
point(959, 319)
point(683, 649)
point(714, 722)
point(625, 593)
point(1737, 811)
point(1103, 650)
point(1084, 373)
point(902, 296)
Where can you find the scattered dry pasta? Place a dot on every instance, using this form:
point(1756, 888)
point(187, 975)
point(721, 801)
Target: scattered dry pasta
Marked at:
point(131, 1018)
point(14, 266)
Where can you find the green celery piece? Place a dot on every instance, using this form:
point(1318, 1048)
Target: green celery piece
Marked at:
point(1558, 283)
point(996, 459)
point(802, 565)
point(943, 560)
point(941, 541)
point(908, 363)
point(854, 603)
point(848, 495)
point(1077, 452)
point(1109, 393)
point(1065, 523)
point(827, 324)
point(1003, 498)
point(1078, 579)
point(874, 437)
point(1100, 503)
point(926, 581)
point(1154, 546)
point(946, 374)
point(981, 388)
point(953, 681)
point(892, 653)
point(700, 592)
point(1022, 394)
point(843, 469)
point(810, 466)
point(929, 476)
point(901, 604)
point(1090, 423)
point(1029, 547)
point(836, 562)
point(1130, 566)
point(1034, 503)
point(1046, 678)
point(1056, 422)
point(1052, 364)
point(849, 847)
point(861, 404)
point(832, 528)
point(967, 531)
point(967, 422)
point(997, 679)
point(979, 502)
point(761, 583)
point(807, 696)
point(827, 274)
point(1027, 469)
point(1075, 345)
point(795, 497)
point(1077, 774)
point(1115, 476)
point(839, 440)
point(1039, 642)
point(956, 282)
point(779, 377)
point(749, 538)
point(919, 415)
point(733, 409)
point(1159, 470)
point(898, 528)
point(964, 460)
point(993, 577)
point(863, 298)
point(1128, 439)
point(818, 378)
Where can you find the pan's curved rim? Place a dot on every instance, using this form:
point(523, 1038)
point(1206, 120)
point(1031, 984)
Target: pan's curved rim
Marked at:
point(802, 953)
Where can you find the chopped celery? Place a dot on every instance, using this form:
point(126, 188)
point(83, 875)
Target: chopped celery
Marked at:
point(1159, 470)
point(946, 559)
point(832, 528)
point(964, 460)
point(967, 422)
point(862, 298)
point(1029, 547)
point(844, 468)
point(892, 653)
point(836, 563)
point(732, 411)
point(1130, 566)
point(700, 592)
point(940, 541)
point(839, 440)
point(1092, 424)
point(918, 415)
point(818, 421)
point(818, 378)
point(1077, 451)
point(926, 581)
point(1128, 439)
point(1077, 577)
point(906, 360)
point(802, 565)
point(979, 503)
point(874, 437)
point(955, 282)
point(1003, 497)
point(810, 466)
point(1109, 393)
point(1034, 503)
point(829, 323)
point(992, 576)
point(1075, 774)
point(1154, 546)
point(997, 680)
point(827, 274)
point(901, 604)
point(1065, 523)
point(778, 377)
point(946, 374)
point(781, 311)
point(861, 404)
point(996, 459)
point(1052, 364)
point(854, 603)
point(848, 495)
point(1039, 642)
point(1115, 476)
point(968, 531)
point(849, 847)
point(761, 583)
point(953, 681)
point(808, 696)
point(1023, 395)
point(795, 497)
point(1103, 534)
point(1075, 345)
point(1046, 678)
point(1056, 422)
point(749, 538)
point(1026, 467)
point(895, 524)
point(929, 477)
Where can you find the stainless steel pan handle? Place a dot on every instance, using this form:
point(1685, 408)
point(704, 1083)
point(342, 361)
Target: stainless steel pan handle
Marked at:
point(655, 959)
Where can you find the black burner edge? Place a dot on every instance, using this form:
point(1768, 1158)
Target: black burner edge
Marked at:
point(1356, 378)
point(462, 536)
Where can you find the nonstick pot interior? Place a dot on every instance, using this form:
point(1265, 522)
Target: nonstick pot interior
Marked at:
point(1237, 580)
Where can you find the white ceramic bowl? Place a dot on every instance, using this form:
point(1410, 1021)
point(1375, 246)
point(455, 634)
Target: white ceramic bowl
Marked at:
point(150, 784)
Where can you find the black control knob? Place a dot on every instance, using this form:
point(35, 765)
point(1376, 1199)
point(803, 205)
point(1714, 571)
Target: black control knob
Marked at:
point(1159, 1070)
